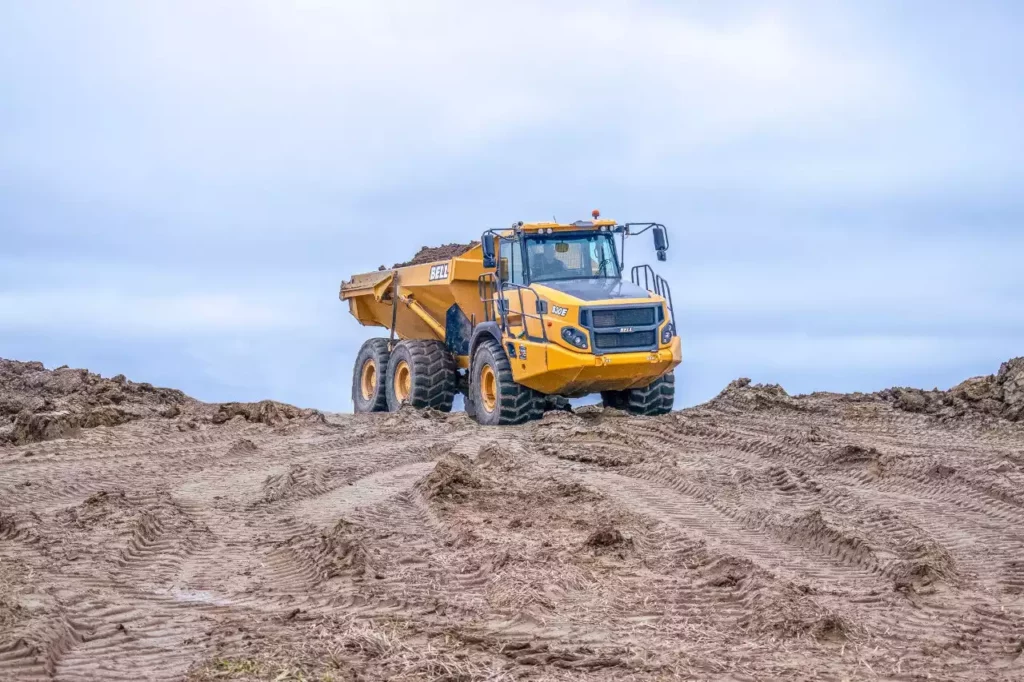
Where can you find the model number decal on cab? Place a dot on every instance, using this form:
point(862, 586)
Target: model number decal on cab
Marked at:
point(559, 310)
point(439, 272)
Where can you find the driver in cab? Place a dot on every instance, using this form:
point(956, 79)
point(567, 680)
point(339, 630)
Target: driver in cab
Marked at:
point(544, 264)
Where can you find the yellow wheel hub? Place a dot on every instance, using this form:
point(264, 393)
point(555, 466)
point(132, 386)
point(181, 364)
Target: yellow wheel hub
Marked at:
point(368, 381)
point(403, 381)
point(488, 388)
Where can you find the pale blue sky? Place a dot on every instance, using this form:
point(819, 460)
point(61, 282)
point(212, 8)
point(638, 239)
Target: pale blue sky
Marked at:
point(183, 185)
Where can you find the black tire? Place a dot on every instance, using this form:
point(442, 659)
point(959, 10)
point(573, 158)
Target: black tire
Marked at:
point(467, 399)
point(556, 403)
point(433, 377)
point(614, 399)
point(513, 403)
point(376, 353)
point(652, 401)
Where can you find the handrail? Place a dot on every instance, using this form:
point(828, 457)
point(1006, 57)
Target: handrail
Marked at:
point(654, 283)
point(666, 291)
point(494, 295)
point(487, 284)
point(650, 278)
point(539, 316)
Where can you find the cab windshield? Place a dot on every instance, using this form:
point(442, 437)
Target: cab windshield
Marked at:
point(572, 256)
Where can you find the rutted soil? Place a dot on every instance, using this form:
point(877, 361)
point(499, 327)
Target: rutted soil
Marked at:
point(759, 536)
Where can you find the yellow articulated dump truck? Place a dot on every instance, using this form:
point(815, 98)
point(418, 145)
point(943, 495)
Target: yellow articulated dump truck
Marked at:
point(518, 323)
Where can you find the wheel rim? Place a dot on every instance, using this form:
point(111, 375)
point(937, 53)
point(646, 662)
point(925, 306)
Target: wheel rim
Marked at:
point(488, 388)
point(368, 380)
point(403, 381)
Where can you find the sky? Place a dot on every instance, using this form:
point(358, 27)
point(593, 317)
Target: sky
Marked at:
point(184, 184)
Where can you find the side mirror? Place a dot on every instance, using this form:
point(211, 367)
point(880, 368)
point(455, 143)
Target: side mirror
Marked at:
point(660, 238)
point(660, 242)
point(487, 243)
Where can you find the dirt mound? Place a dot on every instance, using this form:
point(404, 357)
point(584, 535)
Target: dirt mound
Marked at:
point(792, 615)
point(496, 457)
point(37, 404)
point(298, 481)
point(742, 394)
point(267, 412)
point(607, 536)
point(730, 572)
point(340, 551)
point(452, 478)
point(928, 565)
point(431, 254)
point(999, 395)
point(995, 395)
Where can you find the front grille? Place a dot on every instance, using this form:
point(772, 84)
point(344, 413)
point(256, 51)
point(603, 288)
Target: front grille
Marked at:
point(623, 317)
point(626, 340)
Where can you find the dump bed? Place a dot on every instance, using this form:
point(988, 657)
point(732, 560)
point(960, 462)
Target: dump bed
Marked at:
point(433, 295)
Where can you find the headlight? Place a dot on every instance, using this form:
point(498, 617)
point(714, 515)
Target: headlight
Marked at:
point(574, 336)
point(667, 333)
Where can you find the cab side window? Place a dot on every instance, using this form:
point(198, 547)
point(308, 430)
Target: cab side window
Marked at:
point(510, 261)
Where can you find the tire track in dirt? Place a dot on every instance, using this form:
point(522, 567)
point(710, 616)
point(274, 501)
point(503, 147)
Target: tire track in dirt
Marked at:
point(984, 628)
point(679, 504)
point(129, 639)
point(280, 513)
point(301, 569)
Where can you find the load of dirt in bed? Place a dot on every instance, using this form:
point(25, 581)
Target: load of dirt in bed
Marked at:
point(432, 254)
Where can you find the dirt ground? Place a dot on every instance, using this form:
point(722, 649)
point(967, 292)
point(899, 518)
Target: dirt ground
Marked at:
point(759, 536)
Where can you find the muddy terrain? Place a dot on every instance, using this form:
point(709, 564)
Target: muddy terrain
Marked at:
point(759, 536)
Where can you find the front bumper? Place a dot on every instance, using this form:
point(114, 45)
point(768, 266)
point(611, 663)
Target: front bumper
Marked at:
point(549, 368)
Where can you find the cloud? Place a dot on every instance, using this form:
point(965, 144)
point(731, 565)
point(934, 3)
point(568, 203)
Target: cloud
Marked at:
point(779, 353)
point(121, 313)
point(222, 96)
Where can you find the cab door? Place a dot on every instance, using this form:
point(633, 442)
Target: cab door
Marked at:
point(519, 301)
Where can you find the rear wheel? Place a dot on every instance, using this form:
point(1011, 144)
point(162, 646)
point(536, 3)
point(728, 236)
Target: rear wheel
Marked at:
point(368, 377)
point(496, 397)
point(421, 374)
point(653, 400)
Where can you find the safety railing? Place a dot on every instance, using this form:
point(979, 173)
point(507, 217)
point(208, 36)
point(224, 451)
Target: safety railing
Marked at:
point(495, 296)
point(644, 276)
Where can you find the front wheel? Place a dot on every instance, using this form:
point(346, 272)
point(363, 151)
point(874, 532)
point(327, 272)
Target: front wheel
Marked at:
point(497, 400)
point(654, 400)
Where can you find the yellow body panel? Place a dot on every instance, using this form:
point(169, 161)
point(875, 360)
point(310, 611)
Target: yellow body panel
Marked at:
point(424, 293)
point(549, 368)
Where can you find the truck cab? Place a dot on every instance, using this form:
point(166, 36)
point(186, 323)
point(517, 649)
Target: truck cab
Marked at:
point(576, 324)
